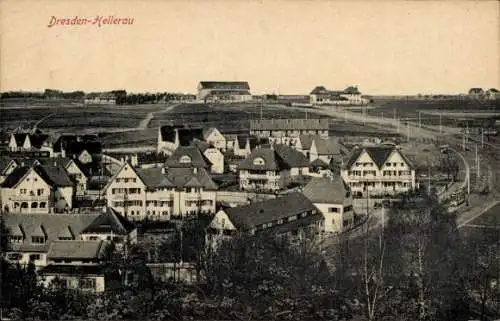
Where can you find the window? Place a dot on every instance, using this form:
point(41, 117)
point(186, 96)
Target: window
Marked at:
point(14, 256)
point(185, 159)
point(64, 238)
point(23, 191)
point(333, 210)
point(347, 208)
point(259, 161)
point(93, 238)
point(42, 205)
point(39, 192)
point(88, 284)
point(35, 257)
point(16, 239)
point(38, 239)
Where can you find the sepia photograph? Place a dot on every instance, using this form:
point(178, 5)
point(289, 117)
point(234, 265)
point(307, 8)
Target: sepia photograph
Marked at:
point(260, 160)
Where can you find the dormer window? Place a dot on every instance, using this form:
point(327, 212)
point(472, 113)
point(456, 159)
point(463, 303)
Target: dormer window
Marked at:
point(38, 239)
point(16, 239)
point(185, 159)
point(259, 161)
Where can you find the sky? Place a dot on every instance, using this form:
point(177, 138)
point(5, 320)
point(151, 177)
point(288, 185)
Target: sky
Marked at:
point(388, 47)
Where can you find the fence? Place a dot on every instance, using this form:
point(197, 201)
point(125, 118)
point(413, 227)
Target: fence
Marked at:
point(178, 272)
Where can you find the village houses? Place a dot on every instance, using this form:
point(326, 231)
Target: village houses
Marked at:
point(333, 198)
point(271, 168)
point(30, 141)
point(349, 96)
point(179, 189)
point(287, 131)
point(37, 189)
point(291, 215)
point(379, 170)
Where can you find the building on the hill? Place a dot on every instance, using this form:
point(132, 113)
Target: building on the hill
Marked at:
point(326, 150)
point(333, 198)
point(492, 94)
point(241, 145)
point(380, 170)
point(30, 142)
point(37, 189)
point(100, 99)
point(292, 215)
point(349, 96)
point(170, 137)
point(287, 131)
point(224, 91)
point(212, 154)
point(162, 193)
point(214, 137)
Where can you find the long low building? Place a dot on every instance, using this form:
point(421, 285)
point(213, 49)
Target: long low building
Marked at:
point(224, 91)
point(287, 131)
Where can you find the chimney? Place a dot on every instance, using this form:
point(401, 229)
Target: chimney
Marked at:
point(63, 152)
point(163, 170)
point(195, 170)
point(177, 142)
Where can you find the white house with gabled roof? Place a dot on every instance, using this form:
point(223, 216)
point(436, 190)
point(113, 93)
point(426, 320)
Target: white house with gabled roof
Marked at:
point(379, 170)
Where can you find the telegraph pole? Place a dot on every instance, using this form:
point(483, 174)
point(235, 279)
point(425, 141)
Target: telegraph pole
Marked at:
point(482, 137)
point(398, 120)
point(408, 129)
point(440, 124)
point(477, 163)
point(419, 119)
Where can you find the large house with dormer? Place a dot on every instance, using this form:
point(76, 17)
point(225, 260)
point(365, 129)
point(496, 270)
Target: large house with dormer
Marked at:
point(37, 189)
point(223, 91)
point(378, 170)
point(292, 215)
point(271, 168)
point(287, 131)
point(349, 96)
point(333, 198)
point(31, 235)
point(177, 190)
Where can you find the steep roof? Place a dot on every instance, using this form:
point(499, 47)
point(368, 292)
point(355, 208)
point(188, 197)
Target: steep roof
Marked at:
point(75, 144)
point(306, 141)
point(167, 132)
point(183, 177)
point(75, 250)
point(198, 160)
point(318, 162)
point(237, 85)
point(272, 160)
point(202, 146)
point(319, 90)
point(248, 216)
point(352, 90)
point(290, 124)
point(110, 221)
point(379, 155)
point(153, 177)
point(208, 131)
point(37, 140)
point(19, 138)
point(326, 190)
point(187, 135)
point(329, 146)
point(55, 176)
point(54, 225)
point(291, 156)
point(15, 176)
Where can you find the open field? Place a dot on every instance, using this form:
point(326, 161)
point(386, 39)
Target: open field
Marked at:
point(489, 219)
point(454, 112)
point(75, 117)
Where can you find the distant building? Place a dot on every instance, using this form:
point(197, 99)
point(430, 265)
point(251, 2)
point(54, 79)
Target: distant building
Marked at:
point(378, 170)
point(349, 96)
point(332, 196)
point(100, 99)
point(291, 215)
point(287, 131)
point(224, 91)
point(477, 93)
point(214, 137)
point(492, 94)
point(326, 150)
point(241, 145)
